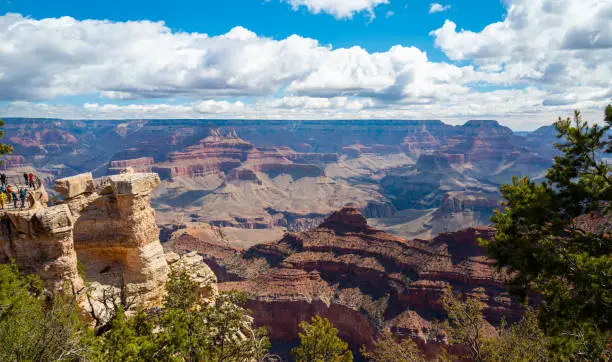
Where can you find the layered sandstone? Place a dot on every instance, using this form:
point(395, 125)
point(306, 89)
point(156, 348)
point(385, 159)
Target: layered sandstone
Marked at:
point(365, 279)
point(216, 153)
point(226, 153)
point(141, 164)
point(106, 225)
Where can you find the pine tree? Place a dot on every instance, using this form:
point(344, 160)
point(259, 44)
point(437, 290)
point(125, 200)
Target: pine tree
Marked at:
point(320, 343)
point(34, 327)
point(388, 349)
point(552, 239)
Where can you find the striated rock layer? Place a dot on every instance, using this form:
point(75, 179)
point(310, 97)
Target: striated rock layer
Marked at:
point(106, 225)
point(365, 279)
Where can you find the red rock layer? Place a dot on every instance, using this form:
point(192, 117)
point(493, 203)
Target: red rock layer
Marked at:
point(363, 279)
point(215, 153)
point(227, 153)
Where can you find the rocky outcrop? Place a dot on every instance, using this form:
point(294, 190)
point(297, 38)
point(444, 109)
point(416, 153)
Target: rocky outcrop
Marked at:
point(225, 152)
point(141, 164)
point(106, 225)
point(365, 279)
point(200, 273)
point(458, 201)
point(12, 161)
point(216, 153)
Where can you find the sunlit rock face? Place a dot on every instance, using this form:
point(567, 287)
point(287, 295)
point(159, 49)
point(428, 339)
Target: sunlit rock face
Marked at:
point(107, 225)
point(364, 279)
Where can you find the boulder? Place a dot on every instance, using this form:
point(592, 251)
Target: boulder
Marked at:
point(54, 219)
point(134, 183)
point(75, 185)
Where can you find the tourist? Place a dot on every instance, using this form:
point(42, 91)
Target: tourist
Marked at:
point(32, 180)
point(9, 193)
point(2, 188)
point(25, 178)
point(23, 195)
point(15, 197)
point(2, 199)
point(3, 179)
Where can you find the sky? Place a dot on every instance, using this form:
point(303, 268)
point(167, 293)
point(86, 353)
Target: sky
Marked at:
point(521, 62)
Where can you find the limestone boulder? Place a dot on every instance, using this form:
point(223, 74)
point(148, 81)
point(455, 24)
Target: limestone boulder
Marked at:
point(53, 220)
point(134, 183)
point(75, 185)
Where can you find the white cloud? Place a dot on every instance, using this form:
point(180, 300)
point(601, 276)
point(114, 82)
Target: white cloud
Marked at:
point(563, 47)
point(340, 9)
point(389, 14)
point(545, 58)
point(438, 8)
point(43, 59)
point(519, 109)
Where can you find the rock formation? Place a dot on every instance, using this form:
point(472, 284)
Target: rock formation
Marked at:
point(226, 153)
point(361, 278)
point(107, 225)
point(399, 171)
point(142, 164)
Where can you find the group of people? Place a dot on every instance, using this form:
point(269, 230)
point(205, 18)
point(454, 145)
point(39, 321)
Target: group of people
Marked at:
point(13, 193)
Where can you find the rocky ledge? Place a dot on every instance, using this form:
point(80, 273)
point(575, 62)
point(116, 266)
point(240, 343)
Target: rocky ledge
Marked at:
point(105, 225)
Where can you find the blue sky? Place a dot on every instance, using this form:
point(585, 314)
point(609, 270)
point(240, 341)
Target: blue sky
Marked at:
point(306, 59)
point(410, 23)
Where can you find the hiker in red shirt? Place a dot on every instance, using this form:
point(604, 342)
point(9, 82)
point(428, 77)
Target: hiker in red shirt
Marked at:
point(32, 180)
point(9, 193)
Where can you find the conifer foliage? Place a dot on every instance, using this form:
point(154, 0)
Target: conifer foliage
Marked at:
point(320, 343)
point(554, 238)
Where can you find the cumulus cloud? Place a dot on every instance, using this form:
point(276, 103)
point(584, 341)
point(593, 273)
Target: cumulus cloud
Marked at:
point(544, 59)
point(43, 59)
point(519, 109)
point(561, 46)
point(438, 8)
point(340, 9)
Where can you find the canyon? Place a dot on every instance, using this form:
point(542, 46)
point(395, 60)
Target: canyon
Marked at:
point(257, 179)
point(363, 279)
point(367, 226)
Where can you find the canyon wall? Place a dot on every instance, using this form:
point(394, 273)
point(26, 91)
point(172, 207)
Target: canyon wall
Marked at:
point(362, 279)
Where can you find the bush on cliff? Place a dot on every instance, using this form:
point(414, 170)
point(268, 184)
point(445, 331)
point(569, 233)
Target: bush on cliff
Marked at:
point(185, 329)
point(319, 342)
point(388, 349)
point(35, 326)
point(549, 238)
point(466, 329)
point(465, 335)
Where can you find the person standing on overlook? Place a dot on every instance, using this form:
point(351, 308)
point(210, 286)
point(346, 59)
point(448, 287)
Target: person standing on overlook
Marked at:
point(14, 196)
point(23, 193)
point(2, 199)
point(25, 177)
point(3, 179)
point(31, 183)
point(9, 193)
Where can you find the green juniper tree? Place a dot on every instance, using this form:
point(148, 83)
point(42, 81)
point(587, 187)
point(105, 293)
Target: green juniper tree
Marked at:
point(387, 349)
point(320, 343)
point(186, 328)
point(552, 238)
point(35, 326)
